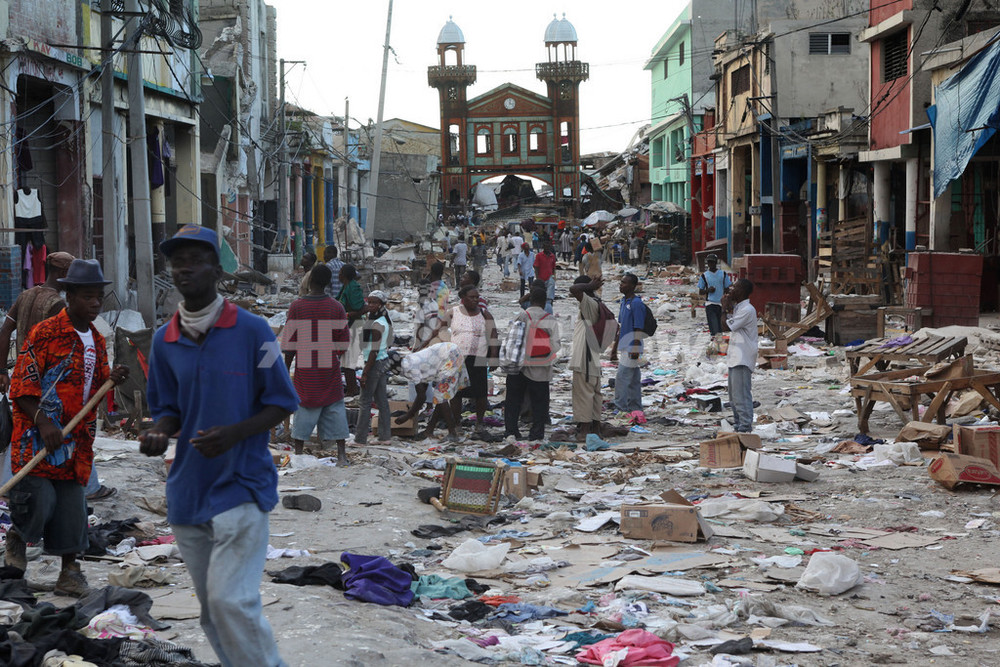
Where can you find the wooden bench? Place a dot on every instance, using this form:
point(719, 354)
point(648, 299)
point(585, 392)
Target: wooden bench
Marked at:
point(923, 351)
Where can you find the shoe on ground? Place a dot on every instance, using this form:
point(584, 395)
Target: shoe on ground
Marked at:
point(102, 493)
point(303, 502)
point(15, 554)
point(71, 582)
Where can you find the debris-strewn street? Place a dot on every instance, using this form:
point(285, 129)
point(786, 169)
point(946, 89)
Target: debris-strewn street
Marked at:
point(914, 577)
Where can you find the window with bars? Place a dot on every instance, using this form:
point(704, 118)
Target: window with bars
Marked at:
point(895, 51)
point(740, 80)
point(829, 43)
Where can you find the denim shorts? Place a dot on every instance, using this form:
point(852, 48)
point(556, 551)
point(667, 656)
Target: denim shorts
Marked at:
point(54, 509)
point(331, 420)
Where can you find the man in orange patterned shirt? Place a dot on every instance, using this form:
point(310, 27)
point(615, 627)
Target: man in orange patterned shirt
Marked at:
point(63, 363)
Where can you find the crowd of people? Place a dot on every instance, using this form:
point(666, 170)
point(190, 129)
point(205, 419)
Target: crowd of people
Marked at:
point(216, 383)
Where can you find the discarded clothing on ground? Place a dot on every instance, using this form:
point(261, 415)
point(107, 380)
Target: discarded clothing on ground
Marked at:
point(429, 530)
point(435, 587)
point(110, 533)
point(644, 648)
point(327, 574)
point(471, 611)
point(375, 579)
point(138, 603)
point(516, 613)
point(155, 652)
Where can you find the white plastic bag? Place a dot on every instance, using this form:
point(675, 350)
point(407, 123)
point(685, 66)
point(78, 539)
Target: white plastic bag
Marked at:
point(830, 574)
point(899, 453)
point(474, 556)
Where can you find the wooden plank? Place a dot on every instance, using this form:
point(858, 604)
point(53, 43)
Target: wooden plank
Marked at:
point(985, 392)
point(938, 402)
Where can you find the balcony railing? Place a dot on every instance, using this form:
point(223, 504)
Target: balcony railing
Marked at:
point(573, 70)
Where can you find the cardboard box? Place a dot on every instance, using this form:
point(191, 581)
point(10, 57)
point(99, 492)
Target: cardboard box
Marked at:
point(515, 482)
point(806, 473)
point(726, 451)
point(981, 441)
point(675, 520)
point(766, 468)
point(406, 429)
point(950, 470)
point(927, 436)
point(535, 480)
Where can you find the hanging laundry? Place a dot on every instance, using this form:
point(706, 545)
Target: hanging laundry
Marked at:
point(28, 215)
point(38, 257)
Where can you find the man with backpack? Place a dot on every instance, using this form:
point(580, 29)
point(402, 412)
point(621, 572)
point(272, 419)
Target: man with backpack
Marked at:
point(541, 343)
point(713, 283)
point(591, 335)
point(635, 324)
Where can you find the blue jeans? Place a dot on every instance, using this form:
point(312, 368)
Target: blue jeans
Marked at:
point(713, 312)
point(628, 384)
point(550, 293)
point(741, 398)
point(374, 389)
point(225, 558)
point(93, 484)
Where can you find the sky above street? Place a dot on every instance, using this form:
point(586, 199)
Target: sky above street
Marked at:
point(342, 44)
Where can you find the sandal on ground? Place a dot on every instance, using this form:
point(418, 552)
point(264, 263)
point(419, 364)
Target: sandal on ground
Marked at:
point(102, 493)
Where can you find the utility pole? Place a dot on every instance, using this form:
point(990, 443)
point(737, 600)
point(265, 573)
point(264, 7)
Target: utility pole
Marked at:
point(377, 152)
point(115, 261)
point(284, 205)
point(283, 222)
point(776, 235)
point(347, 162)
point(141, 214)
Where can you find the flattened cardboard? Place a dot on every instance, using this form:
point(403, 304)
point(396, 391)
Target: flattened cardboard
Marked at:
point(726, 451)
point(950, 470)
point(765, 468)
point(980, 441)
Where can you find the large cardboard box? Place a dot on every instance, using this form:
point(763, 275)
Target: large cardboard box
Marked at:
point(675, 520)
point(927, 436)
point(981, 441)
point(766, 468)
point(515, 481)
point(726, 451)
point(950, 470)
point(406, 429)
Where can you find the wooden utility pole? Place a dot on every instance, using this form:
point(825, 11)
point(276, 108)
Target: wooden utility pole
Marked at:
point(141, 214)
point(377, 149)
point(776, 235)
point(347, 162)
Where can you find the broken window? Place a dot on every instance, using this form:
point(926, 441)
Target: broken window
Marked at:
point(536, 141)
point(564, 142)
point(740, 80)
point(829, 43)
point(511, 145)
point(484, 142)
point(895, 52)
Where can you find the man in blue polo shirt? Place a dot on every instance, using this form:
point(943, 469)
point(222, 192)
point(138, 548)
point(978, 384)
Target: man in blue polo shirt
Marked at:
point(713, 284)
point(631, 318)
point(216, 381)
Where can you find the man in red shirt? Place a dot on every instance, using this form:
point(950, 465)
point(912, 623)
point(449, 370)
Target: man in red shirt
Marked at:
point(316, 336)
point(545, 270)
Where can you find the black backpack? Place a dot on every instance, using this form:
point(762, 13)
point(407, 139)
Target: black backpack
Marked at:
point(649, 324)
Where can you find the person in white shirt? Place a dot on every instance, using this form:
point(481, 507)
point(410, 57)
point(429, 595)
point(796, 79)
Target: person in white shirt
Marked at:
point(742, 354)
point(460, 257)
point(516, 241)
point(502, 253)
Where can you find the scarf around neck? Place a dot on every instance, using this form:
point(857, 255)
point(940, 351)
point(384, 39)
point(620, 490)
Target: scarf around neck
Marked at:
point(197, 323)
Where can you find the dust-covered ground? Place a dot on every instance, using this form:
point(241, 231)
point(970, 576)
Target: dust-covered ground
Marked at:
point(910, 607)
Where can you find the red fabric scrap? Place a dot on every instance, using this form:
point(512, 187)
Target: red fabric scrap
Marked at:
point(644, 648)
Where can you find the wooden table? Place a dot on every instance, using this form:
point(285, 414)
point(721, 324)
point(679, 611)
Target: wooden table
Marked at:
point(893, 388)
point(929, 350)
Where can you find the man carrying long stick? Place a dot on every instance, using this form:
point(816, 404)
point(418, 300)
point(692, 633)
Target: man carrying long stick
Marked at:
point(63, 363)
